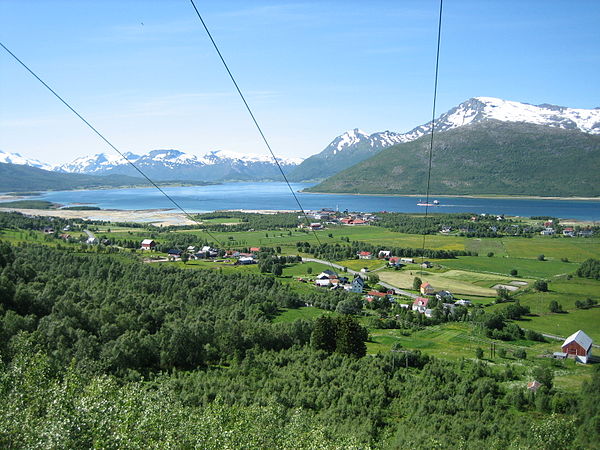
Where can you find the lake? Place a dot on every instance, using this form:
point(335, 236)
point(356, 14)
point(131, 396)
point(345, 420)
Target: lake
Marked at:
point(277, 196)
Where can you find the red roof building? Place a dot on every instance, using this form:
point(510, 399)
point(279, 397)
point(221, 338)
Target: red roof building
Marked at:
point(420, 304)
point(578, 346)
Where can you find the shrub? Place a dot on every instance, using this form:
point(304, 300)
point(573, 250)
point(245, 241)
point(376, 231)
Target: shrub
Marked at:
point(520, 354)
point(490, 254)
point(541, 286)
point(513, 273)
point(541, 258)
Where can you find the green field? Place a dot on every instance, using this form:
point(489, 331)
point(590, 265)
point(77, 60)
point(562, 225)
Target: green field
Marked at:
point(305, 313)
point(528, 268)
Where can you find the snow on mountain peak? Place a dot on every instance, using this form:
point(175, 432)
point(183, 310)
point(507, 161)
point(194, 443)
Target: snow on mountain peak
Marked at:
point(16, 158)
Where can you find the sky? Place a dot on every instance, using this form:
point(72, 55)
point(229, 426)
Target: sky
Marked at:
point(144, 72)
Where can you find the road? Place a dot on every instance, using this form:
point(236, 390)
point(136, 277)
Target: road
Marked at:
point(354, 272)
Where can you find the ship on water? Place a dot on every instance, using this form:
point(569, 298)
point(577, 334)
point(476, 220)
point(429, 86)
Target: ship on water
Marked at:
point(434, 203)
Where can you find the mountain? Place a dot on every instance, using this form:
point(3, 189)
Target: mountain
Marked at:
point(15, 158)
point(176, 165)
point(344, 151)
point(355, 146)
point(483, 157)
point(22, 177)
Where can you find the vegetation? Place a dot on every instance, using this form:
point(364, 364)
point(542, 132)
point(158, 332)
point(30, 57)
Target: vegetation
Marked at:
point(530, 164)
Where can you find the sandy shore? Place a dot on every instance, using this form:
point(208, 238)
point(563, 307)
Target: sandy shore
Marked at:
point(153, 216)
point(432, 196)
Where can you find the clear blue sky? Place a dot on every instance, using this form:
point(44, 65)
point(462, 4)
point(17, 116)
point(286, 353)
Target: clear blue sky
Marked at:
point(145, 74)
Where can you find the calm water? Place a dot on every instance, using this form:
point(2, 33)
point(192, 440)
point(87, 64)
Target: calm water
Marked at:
point(277, 196)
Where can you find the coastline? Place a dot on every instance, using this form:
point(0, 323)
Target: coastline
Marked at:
point(482, 196)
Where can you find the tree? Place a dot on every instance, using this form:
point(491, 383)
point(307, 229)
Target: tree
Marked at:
point(555, 307)
point(479, 353)
point(277, 270)
point(502, 352)
point(185, 257)
point(490, 254)
point(544, 375)
point(502, 294)
point(417, 283)
point(309, 270)
point(350, 337)
point(541, 285)
point(323, 336)
point(520, 354)
point(513, 273)
point(541, 258)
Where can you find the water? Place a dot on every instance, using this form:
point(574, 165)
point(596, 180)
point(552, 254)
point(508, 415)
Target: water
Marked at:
point(277, 196)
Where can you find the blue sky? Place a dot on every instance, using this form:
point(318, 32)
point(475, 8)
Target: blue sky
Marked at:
point(145, 74)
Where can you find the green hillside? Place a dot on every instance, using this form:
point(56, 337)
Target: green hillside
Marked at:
point(485, 158)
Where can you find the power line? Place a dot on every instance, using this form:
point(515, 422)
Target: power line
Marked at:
point(435, 84)
point(171, 199)
point(262, 135)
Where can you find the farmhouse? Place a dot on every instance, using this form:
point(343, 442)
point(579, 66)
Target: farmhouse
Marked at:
point(427, 289)
point(420, 304)
point(358, 284)
point(426, 265)
point(148, 244)
point(384, 254)
point(578, 346)
point(365, 255)
point(372, 295)
point(174, 254)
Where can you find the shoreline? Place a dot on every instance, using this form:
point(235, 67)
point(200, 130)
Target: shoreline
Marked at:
point(483, 196)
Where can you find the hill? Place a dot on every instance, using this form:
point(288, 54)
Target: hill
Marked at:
point(490, 157)
point(17, 177)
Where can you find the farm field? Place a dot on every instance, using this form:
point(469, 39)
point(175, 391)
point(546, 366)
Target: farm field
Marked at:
point(529, 268)
point(459, 340)
point(565, 324)
point(456, 281)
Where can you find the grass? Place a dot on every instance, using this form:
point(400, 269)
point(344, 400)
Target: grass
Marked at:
point(456, 281)
point(528, 268)
point(29, 204)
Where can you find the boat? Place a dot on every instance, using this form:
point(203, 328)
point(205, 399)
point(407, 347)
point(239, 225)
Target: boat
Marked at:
point(434, 203)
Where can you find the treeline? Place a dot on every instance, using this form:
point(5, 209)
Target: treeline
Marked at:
point(340, 252)
point(590, 268)
point(251, 221)
point(482, 226)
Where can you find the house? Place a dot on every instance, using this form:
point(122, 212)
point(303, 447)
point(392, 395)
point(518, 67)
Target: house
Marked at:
point(245, 260)
point(427, 289)
point(327, 275)
point(174, 254)
point(586, 233)
point(407, 260)
point(359, 222)
point(569, 232)
point(148, 244)
point(547, 232)
point(395, 261)
point(372, 295)
point(48, 230)
point(254, 249)
point(578, 346)
point(346, 221)
point(316, 226)
point(463, 302)
point(446, 230)
point(420, 304)
point(365, 255)
point(444, 296)
point(358, 284)
point(426, 265)
point(533, 386)
point(384, 254)
point(428, 312)
point(191, 249)
point(549, 223)
point(323, 282)
point(92, 240)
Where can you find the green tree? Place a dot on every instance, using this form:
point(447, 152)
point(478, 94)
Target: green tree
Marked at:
point(277, 270)
point(350, 337)
point(417, 283)
point(323, 336)
point(479, 353)
point(541, 258)
point(520, 354)
point(513, 273)
point(541, 285)
point(543, 375)
point(555, 307)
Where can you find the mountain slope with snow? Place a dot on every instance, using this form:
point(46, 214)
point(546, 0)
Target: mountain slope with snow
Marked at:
point(15, 158)
point(355, 146)
point(176, 165)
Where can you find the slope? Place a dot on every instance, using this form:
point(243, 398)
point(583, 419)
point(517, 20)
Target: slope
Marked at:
point(490, 157)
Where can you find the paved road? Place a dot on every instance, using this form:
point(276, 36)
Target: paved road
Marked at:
point(354, 272)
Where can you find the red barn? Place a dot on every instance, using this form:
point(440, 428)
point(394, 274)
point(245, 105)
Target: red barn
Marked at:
point(579, 346)
point(148, 244)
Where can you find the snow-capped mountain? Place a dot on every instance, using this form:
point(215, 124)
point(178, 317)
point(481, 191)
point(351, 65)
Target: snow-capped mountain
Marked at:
point(15, 158)
point(355, 146)
point(177, 165)
point(479, 109)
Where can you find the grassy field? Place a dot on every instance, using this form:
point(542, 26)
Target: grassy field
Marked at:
point(529, 268)
point(306, 313)
point(456, 281)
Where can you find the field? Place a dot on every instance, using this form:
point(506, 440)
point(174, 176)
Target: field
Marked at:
point(529, 268)
point(456, 281)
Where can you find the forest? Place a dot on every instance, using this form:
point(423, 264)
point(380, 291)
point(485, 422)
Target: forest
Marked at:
point(101, 349)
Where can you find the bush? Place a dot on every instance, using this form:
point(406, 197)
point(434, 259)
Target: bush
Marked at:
point(541, 258)
point(479, 353)
point(555, 307)
point(502, 353)
point(541, 286)
point(520, 354)
point(513, 273)
point(490, 254)
point(585, 304)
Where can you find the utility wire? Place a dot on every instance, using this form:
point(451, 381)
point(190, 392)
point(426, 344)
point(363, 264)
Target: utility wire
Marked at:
point(262, 135)
point(171, 199)
point(435, 84)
